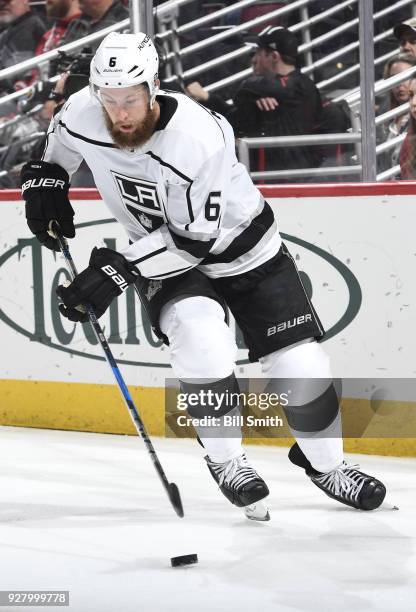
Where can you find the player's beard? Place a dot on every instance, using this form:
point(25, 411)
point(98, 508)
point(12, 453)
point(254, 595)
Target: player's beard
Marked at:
point(141, 134)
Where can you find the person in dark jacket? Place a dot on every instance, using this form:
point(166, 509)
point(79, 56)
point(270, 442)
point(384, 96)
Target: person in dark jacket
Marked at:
point(96, 15)
point(61, 12)
point(22, 31)
point(277, 100)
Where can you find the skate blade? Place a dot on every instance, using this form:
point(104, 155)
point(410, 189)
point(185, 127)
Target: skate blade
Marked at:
point(257, 512)
point(388, 506)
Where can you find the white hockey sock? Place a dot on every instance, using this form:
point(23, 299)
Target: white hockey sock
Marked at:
point(308, 360)
point(324, 449)
point(226, 444)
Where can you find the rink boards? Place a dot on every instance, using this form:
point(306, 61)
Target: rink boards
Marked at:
point(354, 247)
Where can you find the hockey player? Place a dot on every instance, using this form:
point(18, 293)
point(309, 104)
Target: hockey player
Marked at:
point(201, 236)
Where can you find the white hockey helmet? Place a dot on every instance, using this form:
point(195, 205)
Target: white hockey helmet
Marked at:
point(124, 60)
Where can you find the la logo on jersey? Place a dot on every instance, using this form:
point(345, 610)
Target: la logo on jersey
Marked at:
point(141, 199)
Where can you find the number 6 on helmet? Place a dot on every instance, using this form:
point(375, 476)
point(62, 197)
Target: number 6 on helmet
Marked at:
point(124, 60)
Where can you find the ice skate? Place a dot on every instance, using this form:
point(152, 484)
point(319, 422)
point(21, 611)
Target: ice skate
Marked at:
point(345, 483)
point(241, 485)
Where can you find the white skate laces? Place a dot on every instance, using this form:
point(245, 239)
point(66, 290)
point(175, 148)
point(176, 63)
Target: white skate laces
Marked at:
point(344, 481)
point(234, 473)
point(241, 485)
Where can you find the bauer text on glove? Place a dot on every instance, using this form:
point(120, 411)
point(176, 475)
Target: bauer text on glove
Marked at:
point(107, 276)
point(45, 191)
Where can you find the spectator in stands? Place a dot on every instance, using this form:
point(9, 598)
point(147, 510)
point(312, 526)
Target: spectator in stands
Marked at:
point(406, 35)
point(397, 96)
point(278, 100)
point(408, 150)
point(96, 15)
point(19, 151)
point(19, 38)
point(62, 12)
point(19, 148)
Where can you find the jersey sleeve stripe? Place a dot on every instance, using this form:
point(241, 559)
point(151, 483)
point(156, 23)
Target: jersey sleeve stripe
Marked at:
point(85, 139)
point(194, 235)
point(148, 256)
point(173, 273)
point(196, 248)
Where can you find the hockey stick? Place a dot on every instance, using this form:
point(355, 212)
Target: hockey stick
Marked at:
point(170, 487)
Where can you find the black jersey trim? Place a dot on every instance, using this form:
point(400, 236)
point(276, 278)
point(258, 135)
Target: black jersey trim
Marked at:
point(213, 115)
point(182, 176)
point(46, 143)
point(247, 240)
point(190, 211)
point(85, 139)
point(57, 110)
point(136, 261)
point(168, 107)
point(163, 163)
point(173, 273)
point(196, 248)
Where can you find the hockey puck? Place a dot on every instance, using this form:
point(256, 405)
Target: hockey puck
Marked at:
point(183, 560)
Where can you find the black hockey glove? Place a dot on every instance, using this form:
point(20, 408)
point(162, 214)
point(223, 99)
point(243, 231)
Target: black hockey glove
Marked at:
point(107, 276)
point(45, 191)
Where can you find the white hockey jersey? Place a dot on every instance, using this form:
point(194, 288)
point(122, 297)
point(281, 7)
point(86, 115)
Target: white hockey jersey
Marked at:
point(183, 198)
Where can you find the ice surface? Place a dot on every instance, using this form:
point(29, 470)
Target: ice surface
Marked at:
point(86, 513)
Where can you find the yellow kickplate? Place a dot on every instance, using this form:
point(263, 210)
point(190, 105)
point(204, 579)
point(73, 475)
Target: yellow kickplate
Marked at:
point(100, 409)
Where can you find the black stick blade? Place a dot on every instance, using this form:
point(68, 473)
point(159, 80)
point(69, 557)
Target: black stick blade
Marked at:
point(175, 499)
point(184, 560)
